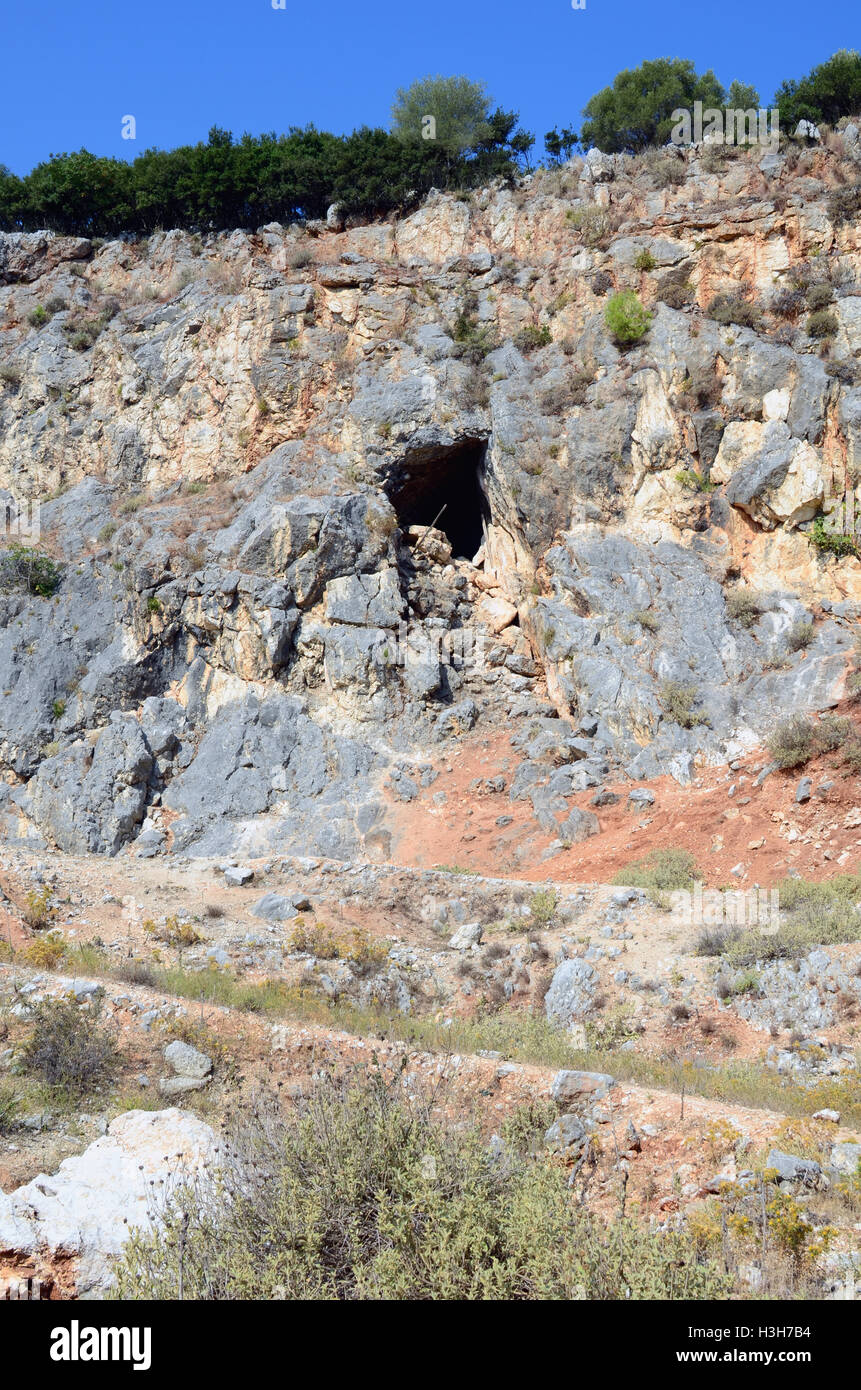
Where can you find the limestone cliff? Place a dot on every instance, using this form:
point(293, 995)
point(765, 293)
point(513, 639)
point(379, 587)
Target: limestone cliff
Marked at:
point(240, 442)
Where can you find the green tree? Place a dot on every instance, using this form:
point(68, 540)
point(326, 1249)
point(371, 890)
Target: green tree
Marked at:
point(459, 109)
point(742, 97)
point(560, 144)
point(829, 91)
point(637, 110)
point(626, 317)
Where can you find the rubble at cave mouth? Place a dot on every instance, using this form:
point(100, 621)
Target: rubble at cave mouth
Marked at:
point(447, 491)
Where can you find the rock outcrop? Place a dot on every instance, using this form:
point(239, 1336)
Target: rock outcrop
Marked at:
point(72, 1226)
point(322, 498)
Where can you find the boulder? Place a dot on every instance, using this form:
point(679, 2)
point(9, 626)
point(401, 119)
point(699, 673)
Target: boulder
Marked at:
point(845, 1158)
point(187, 1060)
point(791, 1168)
point(566, 1135)
point(467, 936)
point(72, 1226)
point(570, 993)
point(571, 1085)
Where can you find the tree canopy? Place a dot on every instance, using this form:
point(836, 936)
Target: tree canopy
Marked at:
point(637, 110)
point(224, 182)
point(828, 92)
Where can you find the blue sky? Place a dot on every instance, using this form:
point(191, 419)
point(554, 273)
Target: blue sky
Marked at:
point(72, 70)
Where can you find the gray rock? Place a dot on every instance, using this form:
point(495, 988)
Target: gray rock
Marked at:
point(91, 800)
point(803, 790)
point(275, 907)
point(86, 989)
point(458, 719)
point(187, 1061)
point(641, 796)
point(570, 1085)
point(845, 1158)
point(237, 877)
point(180, 1085)
point(467, 936)
point(603, 797)
point(790, 1168)
point(566, 1134)
point(570, 994)
point(625, 897)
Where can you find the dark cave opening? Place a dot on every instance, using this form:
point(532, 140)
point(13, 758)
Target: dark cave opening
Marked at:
point(449, 482)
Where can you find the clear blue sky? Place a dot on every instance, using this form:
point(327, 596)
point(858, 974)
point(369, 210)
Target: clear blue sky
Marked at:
point(73, 69)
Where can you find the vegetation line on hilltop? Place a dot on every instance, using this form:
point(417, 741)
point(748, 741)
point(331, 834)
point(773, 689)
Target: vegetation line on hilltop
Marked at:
point(228, 183)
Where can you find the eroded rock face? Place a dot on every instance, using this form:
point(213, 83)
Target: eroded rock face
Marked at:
point(245, 463)
point(73, 1225)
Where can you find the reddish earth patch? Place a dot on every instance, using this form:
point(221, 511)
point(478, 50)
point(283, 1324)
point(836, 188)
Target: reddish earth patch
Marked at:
point(761, 828)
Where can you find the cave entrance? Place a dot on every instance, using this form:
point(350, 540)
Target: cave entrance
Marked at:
point(448, 482)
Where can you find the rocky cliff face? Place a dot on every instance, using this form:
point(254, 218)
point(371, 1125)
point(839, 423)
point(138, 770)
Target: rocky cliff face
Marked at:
point(241, 444)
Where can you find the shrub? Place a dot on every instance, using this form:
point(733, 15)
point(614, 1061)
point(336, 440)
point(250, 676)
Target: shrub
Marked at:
point(713, 941)
point(788, 303)
point(831, 542)
point(675, 294)
point(832, 733)
point(572, 391)
point(46, 953)
point(83, 332)
point(731, 308)
point(38, 317)
point(800, 635)
point(173, 932)
point(364, 1194)
point(647, 619)
point(472, 341)
point(626, 318)
point(10, 375)
point(688, 478)
point(531, 337)
point(665, 170)
point(37, 911)
point(22, 567)
point(743, 607)
point(677, 701)
point(793, 742)
point(136, 972)
point(316, 939)
point(10, 1105)
point(543, 907)
point(822, 324)
point(69, 1048)
point(844, 204)
point(592, 224)
point(661, 871)
point(644, 260)
point(819, 295)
